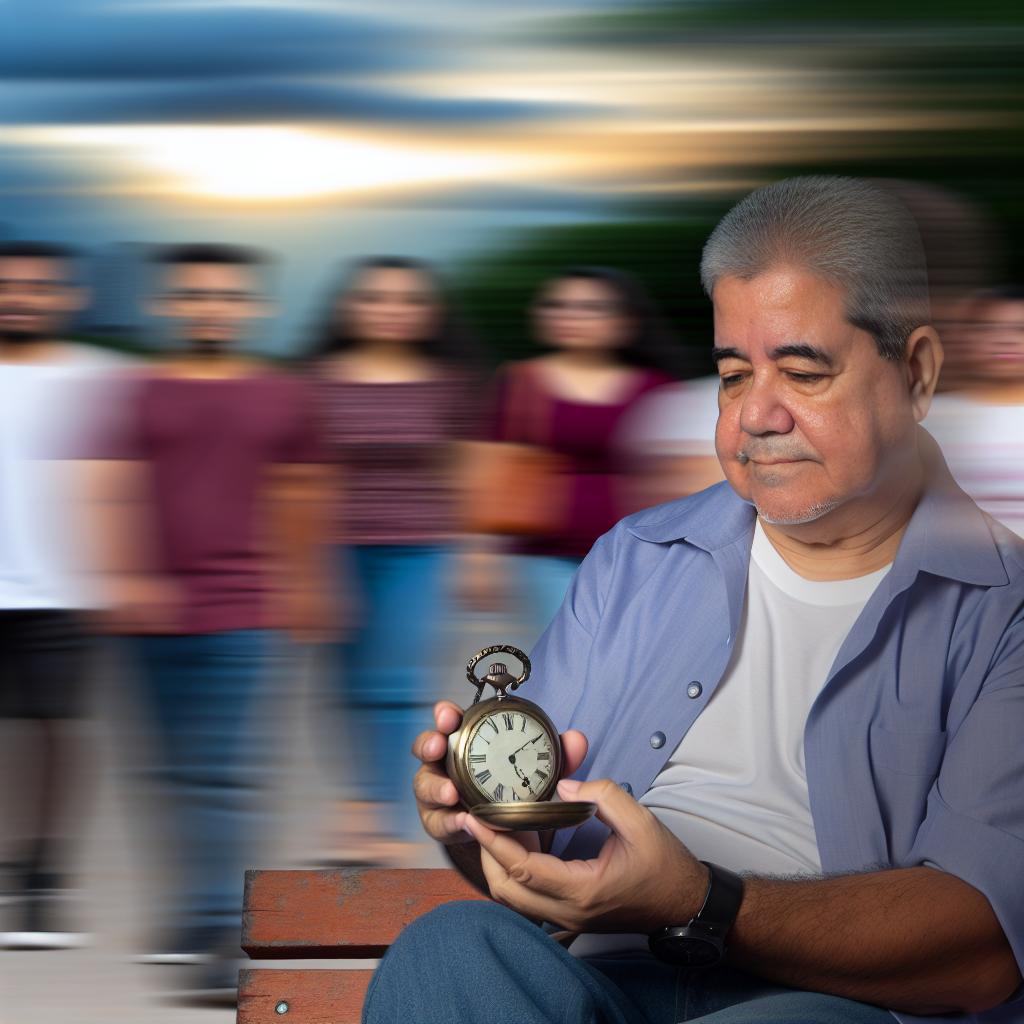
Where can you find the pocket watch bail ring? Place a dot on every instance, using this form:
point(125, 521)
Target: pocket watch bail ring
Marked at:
point(498, 671)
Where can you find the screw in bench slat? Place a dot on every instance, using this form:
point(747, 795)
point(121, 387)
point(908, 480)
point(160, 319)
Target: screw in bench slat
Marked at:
point(282, 1007)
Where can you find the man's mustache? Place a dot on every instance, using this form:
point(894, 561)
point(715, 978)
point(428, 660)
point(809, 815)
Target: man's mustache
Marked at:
point(774, 451)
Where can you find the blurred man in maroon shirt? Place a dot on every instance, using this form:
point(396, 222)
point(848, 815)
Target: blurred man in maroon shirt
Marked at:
point(211, 549)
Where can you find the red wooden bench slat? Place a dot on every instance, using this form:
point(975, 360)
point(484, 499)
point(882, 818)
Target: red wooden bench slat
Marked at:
point(349, 913)
point(305, 996)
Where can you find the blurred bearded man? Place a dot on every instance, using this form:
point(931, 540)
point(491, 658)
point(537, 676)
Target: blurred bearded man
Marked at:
point(210, 554)
point(45, 643)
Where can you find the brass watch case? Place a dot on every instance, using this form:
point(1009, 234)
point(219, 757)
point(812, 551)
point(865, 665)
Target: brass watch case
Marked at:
point(457, 762)
point(540, 814)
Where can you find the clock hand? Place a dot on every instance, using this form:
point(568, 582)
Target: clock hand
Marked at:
point(525, 745)
point(512, 761)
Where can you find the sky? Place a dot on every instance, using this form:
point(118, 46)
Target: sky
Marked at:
point(325, 130)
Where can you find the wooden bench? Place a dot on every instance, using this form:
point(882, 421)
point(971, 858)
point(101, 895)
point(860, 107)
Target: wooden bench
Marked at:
point(345, 913)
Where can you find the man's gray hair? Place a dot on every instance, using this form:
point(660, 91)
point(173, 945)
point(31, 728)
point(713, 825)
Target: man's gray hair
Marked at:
point(850, 232)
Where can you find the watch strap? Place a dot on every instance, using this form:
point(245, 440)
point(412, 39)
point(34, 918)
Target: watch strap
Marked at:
point(721, 903)
point(701, 943)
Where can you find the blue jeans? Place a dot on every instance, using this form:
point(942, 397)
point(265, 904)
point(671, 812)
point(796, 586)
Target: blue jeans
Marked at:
point(480, 963)
point(202, 690)
point(385, 673)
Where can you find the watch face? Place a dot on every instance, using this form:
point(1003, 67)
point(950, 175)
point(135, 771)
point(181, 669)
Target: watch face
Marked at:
point(688, 951)
point(511, 757)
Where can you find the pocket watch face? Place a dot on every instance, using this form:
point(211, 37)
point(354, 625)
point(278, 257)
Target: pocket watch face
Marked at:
point(511, 756)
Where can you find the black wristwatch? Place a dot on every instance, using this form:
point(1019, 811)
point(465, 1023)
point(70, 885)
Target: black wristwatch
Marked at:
point(701, 943)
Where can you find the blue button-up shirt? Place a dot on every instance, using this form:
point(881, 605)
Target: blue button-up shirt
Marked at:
point(914, 747)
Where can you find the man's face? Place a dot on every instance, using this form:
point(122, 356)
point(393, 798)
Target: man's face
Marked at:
point(210, 304)
point(36, 299)
point(811, 418)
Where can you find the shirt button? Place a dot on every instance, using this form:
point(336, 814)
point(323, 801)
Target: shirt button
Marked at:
point(626, 788)
point(694, 690)
point(658, 740)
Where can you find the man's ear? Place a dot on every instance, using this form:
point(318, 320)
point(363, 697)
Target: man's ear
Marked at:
point(923, 363)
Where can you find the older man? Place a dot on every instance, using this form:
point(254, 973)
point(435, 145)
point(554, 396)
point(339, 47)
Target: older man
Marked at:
point(811, 676)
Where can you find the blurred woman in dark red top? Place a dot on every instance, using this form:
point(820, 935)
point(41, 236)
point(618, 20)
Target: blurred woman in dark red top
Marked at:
point(604, 349)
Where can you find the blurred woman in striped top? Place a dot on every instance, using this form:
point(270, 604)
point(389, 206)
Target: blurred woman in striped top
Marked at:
point(396, 380)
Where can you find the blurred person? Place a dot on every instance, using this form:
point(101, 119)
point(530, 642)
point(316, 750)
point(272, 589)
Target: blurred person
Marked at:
point(605, 349)
point(45, 641)
point(396, 380)
point(963, 249)
point(668, 439)
point(796, 698)
point(981, 426)
point(209, 531)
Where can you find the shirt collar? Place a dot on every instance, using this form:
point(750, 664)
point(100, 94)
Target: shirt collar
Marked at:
point(710, 520)
point(948, 535)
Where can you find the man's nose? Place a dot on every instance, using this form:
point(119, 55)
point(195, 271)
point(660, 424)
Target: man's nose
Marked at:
point(763, 410)
point(216, 307)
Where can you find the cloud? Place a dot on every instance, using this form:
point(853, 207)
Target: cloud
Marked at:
point(75, 62)
point(253, 100)
point(76, 39)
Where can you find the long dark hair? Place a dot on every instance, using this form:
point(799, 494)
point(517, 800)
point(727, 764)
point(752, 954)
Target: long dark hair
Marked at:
point(651, 345)
point(450, 342)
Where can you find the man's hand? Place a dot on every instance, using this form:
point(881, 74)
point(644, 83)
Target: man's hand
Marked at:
point(643, 879)
point(436, 797)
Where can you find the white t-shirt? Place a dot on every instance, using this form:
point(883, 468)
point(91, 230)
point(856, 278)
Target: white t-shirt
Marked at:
point(735, 789)
point(984, 447)
point(45, 415)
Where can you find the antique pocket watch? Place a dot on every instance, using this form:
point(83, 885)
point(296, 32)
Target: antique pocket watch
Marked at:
point(506, 757)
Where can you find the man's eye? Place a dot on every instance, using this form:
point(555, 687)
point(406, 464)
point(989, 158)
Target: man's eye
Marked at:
point(804, 378)
point(731, 378)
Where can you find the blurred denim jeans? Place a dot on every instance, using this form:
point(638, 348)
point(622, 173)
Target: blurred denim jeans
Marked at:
point(203, 690)
point(384, 675)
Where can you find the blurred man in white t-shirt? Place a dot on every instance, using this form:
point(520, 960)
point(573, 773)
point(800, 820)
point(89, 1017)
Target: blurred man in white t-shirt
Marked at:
point(45, 383)
point(981, 428)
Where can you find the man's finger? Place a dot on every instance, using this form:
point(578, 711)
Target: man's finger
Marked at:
point(615, 807)
point(574, 747)
point(443, 825)
point(429, 746)
point(447, 716)
point(518, 897)
point(539, 872)
point(434, 789)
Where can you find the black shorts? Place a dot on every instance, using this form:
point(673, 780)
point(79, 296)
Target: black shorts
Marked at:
point(44, 664)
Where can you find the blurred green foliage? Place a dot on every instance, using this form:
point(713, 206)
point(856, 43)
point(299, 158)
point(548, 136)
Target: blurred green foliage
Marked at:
point(940, 57)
